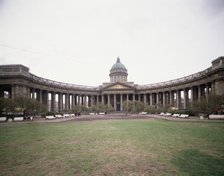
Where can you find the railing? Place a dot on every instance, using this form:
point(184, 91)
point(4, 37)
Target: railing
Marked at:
point(177, 81)
point(60, 84)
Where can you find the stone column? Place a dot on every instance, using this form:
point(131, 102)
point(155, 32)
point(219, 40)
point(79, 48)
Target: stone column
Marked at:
point(186, 100)
point(84, 100)
point(60, 101)
point(39, 96)
point(66, 102)
point(213, 87)
point(157, 99)
point(46, 100)
point(178, 99)
point(33, 93)
point(78, 100)
point(81, 100)
point(92, 100)
point(121, 99)
point(52, 101)
point(103, 99)
point(164, 99)
point(89, 101)
point(150, 101)
point(199, 93)
point(145, 99)
point(192, 96)
point(207, 91)
point(133, 97)
point(97, 99)
point(127, 97)
point(108, 99)
point(73, 101)
point(139, 97)
point(168, 98)
point(115, 102)
point(171, 99)
point(69, 102)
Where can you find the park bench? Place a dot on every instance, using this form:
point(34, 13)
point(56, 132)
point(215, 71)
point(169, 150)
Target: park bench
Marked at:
point(168, 114)
point(66, 115)
point(91, 113)
point(28, 118)
point(50, 117)
point(101, 113)
point(184, 116)
point(216, 117)
point(143, 113)
point(3, 119)
point(58, 116)
point(162, 113)
point(9, 120)
point(18, 119)
point(175, 115)
point(72, 115)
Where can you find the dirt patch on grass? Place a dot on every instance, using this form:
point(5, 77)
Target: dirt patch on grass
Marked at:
point(125, 160)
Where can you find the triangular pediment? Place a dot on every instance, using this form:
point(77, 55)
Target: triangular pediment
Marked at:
point(118, 86)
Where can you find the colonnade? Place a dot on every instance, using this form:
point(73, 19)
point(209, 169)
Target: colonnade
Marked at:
point(17, 81)
point(59, 101)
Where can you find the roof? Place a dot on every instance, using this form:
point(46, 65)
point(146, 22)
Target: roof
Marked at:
point(118, 67)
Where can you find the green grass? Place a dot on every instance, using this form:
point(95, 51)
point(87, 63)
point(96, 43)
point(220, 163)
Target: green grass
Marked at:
point(112, 147)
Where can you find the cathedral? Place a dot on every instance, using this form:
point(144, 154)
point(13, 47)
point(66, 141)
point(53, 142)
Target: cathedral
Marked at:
point(180, 93)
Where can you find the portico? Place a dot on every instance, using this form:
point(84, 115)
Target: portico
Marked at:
point(117, 92)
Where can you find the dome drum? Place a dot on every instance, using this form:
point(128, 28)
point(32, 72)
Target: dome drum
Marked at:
point(118, 72)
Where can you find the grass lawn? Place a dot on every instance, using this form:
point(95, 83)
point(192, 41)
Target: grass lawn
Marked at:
point(112, 147)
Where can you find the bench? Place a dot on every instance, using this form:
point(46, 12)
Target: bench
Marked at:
point(216, 117)
point(18, 119)
point(28, 118)
point(184, 116)
point(72, 115)
point(3, 119)
point(143, 113)
point(162, 113)
point(50, 117)
point(175, 115)
point(101, 113)
point(66, 115)
point(92, 113)
point(9, 120)
point(58, 116)
point(168, 114)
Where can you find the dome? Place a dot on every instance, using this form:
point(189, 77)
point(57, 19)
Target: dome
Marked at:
point(118, 72)
point(118, 67)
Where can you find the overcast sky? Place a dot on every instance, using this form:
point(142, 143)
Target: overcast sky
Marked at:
point(78, 41)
